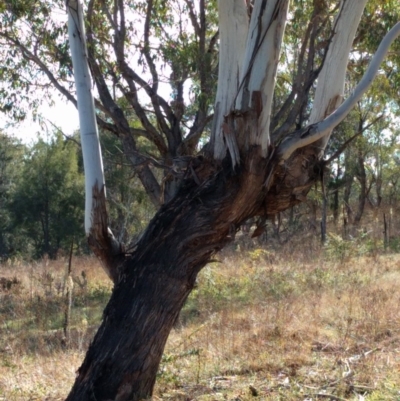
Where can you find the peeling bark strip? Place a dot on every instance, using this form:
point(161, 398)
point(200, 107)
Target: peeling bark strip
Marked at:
point(101, 240)
point(263, 47)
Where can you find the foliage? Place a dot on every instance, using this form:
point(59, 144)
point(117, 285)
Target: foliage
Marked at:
point(175, 46)
point(48, 201)
point(11, 159)
point(173, 65)
point(341, 249)
point(129, 206)
point(41, 196)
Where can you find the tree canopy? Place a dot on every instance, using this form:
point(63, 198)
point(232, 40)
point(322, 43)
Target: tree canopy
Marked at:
point(159, 61)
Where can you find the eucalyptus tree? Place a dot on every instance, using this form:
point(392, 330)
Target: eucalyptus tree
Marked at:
point(261, 154)
point(47, 200)
point(363, 145)
point(11, 161)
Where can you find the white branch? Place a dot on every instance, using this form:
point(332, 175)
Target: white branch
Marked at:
point(317, 131)
point(233, 28)
point(92, 159)
point(263, 47)
point(331, 80)
point(247, 73)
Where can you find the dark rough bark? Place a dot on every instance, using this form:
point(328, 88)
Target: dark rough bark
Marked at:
point(324, 217)
point(378, 188)
point(335, 206)
point(362, 178)
point(156, 279)
point(348, 179)
point(101, 239)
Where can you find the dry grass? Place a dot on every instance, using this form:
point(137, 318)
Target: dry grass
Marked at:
point(35, 363)
point(260, 325)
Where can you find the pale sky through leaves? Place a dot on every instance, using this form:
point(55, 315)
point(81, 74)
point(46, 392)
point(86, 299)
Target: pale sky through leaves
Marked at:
point(62, 114)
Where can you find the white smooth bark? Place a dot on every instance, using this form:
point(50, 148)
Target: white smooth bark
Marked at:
point(93, 164)
point(323, 128)
point(261, 60)
point(233, 28)
point(331, 80)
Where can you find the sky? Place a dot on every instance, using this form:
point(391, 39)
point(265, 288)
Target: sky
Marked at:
point(62, 114)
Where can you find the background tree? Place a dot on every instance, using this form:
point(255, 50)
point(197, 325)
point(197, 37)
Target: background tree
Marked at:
point(11, 159)
point(48, 200)
point(129, 208)
point(49, 172)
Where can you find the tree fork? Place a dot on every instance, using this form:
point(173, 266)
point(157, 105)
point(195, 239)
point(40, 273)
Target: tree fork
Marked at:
point(100, 238)
point(155, 281)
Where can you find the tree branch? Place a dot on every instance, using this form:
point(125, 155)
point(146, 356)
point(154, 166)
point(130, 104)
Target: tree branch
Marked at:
point(106, 99)
point(146, 47)
point(314, 132)
point(145, 174)
point(109, 104)
point(28, 55)
point(192, 139)
point(128, 73)
point(213, 42)
point(153, 70)
point(347, 143)
point(193, 17)
point(301, 90)
point(152, 133)
point(132, 78)
point(296, 84)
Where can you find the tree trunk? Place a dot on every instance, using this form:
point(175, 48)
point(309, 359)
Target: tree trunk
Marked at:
point(378, 184)
point(348, 179)
point(324, 216)
point(335, 203)
point(123, 360)
point(362, 178)
point(156, 279)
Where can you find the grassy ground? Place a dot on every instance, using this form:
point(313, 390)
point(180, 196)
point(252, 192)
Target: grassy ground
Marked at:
point(298, 324)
